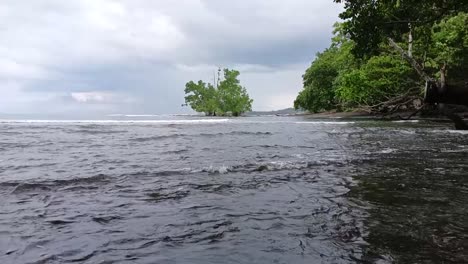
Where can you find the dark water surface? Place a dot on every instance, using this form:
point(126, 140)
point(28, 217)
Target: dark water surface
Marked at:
point(249, 190)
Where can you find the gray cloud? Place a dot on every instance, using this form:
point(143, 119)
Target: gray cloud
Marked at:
point(102, 57)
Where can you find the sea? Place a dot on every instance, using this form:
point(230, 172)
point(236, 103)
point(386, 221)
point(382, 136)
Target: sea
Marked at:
point(270, 189)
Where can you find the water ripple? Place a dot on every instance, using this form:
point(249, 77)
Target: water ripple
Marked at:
point(271, 190)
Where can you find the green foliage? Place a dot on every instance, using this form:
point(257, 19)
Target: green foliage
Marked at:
point(228, 97)
point(370, 22)
point(337, 79)
point(438, 27)
point(232, 96)
point(380, 78)
point(201, 97)
point(450, 45)
point(319, 78)
point(360, 68)
point(318, 93)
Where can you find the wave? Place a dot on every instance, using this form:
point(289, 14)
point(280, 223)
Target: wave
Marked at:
point(221, 170)
point(451, 131)
point(21, 187)
point(96, 132)
point(264, 166)
point(151, 115)
point(317, 122)
point(93, 182)
point(273, 166)
point(162, 137)
point(236, 133)
point(406, 121)
point(326, 122)
point(254, 167)
point(152, 138)
point(172, 121)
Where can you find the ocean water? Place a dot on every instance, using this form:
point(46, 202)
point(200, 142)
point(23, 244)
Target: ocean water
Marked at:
point(145, 189)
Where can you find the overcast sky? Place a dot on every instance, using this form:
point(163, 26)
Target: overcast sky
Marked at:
point(97, 57)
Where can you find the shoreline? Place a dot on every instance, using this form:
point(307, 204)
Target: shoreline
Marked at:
point(366, 116)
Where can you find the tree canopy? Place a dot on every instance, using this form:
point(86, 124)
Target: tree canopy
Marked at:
point(383, 51)
point(226, 96)
point(370, 22)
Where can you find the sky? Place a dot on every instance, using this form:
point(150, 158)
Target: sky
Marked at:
point(99, 57)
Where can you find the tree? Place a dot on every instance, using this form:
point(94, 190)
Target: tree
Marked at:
point(319, 79)
point(337, 79)
point(233, 97)
point(201, 97)
point(228, 97)
point(449, 48)
point(371, 22)
point(381, 78)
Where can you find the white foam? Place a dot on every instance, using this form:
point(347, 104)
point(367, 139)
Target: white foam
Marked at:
point(409, 132)
point(326, 122)
point(272, 165)
point(406, 121)
point(170, 121)
point(221, 170)
point(388, 151)
point(454, 150)
point(175, 121)
point(121, 115)
point(463, 132)
point(151, 115)
point(295, 122)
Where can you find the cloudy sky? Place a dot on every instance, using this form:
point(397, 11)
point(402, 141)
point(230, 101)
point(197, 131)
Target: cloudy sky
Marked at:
point(98, 57)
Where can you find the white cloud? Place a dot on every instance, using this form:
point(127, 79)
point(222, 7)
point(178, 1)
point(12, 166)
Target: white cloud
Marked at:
point(92, 97)
point(13, 69)
point(279, 101)
point(100, 97)
point(146, 50)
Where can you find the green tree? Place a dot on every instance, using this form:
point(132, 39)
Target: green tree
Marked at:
point(319, 93)
point(379, 79)
point(337, 79)
point(233, 97)
point(319, 79)
point(371, 22)
point(449, 48)
point(381, 48)
point(229, 97)
point(201, 97)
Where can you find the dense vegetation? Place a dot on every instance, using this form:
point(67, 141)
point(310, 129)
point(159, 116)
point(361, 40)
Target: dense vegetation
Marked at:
point(384, 51)
point(224, 97)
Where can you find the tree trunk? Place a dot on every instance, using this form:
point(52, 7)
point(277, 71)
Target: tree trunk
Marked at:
point(410, 41)
point(413, 62)
point(436, 91)
point(443, 81)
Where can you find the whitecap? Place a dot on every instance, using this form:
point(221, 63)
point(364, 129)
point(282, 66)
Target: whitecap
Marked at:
point(221, 170)
point(326, 122)
point(406, 121)
point(463, 132)
point(174, 121)
point(388, 151)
